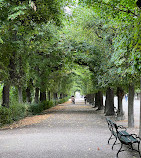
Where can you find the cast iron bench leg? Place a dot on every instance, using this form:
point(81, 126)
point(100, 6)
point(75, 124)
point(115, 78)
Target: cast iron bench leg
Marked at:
point(110, 139)
point(119, 150)
point(114, 143)
point(139, 149)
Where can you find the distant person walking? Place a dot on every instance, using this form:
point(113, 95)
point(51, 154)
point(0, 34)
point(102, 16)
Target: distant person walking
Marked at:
point(73, 99)
point(126, 97)
point(85, 99)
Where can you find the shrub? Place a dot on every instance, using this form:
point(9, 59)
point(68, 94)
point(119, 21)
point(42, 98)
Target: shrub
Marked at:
point(63, 100)
point(18, 111)
point(38, 108)
point(14, 113)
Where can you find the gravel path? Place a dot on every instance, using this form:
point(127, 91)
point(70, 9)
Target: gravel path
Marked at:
point(69, 131)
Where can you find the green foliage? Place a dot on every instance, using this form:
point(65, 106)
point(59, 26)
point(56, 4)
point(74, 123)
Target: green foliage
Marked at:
point(97, 46)
point(60, 101)
point(35, 108)
point(18, 111)
point(14, 113)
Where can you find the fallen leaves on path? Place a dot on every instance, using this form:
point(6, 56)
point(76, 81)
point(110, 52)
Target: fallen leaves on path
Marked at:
point(33, 119)
point(27, 121)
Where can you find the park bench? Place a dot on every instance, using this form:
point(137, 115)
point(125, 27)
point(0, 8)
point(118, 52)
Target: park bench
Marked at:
point(120, 133)
point(113, 131)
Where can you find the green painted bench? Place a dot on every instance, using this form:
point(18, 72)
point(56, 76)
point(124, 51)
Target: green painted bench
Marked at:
point(127, 139)
point(113, 131)
point(120, 133)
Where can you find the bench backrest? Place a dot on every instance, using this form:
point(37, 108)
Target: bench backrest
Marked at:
point(112, 127)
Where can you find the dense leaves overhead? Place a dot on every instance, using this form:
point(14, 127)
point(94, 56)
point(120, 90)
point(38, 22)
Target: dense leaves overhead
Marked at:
point(39, 43)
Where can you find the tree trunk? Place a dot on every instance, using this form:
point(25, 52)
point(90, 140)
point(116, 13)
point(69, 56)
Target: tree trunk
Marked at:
point(20, 95)
point(61, 96)
point(120, 94)
point(100, 100)
point(42, 96)
point(140, 110)
point(28, 95)
point(56, 96)
point(5, 96)
point(105, 106)
point(131, 106)
point(109, 102)
point(36, 95)
point(12, 68)
point(90, 98)
point(49, 98)
point(96, 100)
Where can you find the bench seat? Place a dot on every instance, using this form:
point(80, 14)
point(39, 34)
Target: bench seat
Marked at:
point(126, 137)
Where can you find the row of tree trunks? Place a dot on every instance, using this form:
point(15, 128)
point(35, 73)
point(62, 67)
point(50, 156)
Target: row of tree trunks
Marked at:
point(109, 103)
point(42, 95)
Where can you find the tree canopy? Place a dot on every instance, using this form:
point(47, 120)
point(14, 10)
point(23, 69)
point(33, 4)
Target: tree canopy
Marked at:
point(64, 46)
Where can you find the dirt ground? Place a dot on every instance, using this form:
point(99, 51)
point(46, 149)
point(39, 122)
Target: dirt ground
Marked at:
point(65, 131)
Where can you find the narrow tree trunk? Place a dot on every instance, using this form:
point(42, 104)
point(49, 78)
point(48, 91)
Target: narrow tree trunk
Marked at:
point(36, 95)
point(42, 96)
point(5, 96)
point(88, 98)
point(49, 96)
point(100, 100)
point(109, 102)
point(140, 110)
point(120, 94)
point(28, 95)
point(56, 96)
point(96, 100)
point(92, 99)
point(105, 106)
point(131, 106)
point(20, 95)
point(61, 96)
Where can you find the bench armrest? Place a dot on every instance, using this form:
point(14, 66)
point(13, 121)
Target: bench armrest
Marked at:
point(122, 127)
point(130, 135)
point(135, 136)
